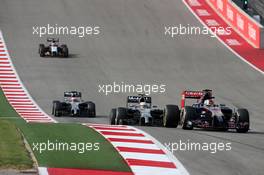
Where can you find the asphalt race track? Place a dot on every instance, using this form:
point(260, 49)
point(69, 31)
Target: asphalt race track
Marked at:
point(132, 48)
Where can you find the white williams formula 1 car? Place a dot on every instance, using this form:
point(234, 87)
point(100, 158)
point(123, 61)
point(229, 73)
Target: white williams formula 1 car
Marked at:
point(73, 105)
point(53, 49)
point(139, 111)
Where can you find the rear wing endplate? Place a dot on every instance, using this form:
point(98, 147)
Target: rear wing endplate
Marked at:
point(190, 95)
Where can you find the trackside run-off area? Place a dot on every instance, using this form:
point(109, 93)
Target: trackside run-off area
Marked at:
point(239, 46)
point(13, 154)
point(106, 159)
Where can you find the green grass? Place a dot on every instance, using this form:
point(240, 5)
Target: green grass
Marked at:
point(13, 154)
point(12, 151)
point(6, 111)
point(107, 158)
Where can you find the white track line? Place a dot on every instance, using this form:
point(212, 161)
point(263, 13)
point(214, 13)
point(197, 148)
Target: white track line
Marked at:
point(135, 145)
point(43, 171)
point(145, 156)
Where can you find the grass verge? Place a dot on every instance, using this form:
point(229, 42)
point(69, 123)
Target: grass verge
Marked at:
point(13, 154)
point(106, 158)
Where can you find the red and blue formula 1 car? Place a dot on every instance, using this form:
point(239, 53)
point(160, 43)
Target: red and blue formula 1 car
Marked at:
point(206, 114)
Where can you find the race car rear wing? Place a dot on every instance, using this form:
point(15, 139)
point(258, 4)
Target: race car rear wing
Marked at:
point(52, 39)
point(199, 95)
point(190, 95)
point(72, 94)
point(136, 99)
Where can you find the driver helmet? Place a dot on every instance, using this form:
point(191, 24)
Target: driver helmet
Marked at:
point(53, 42)
point(142, 105)
point(209, 102)
point(74, 99)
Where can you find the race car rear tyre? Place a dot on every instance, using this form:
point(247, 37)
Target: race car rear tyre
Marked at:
point(242, 124)
point(171, 116)
point(112, 116)
point(41, 50)
point(65, 51)
point(187, 114)
point(57, 109)
point(121, 114)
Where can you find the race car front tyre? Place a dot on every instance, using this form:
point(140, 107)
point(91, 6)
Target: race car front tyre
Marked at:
point(187, 114)
point(65, 51)
point(112, 116)
point(171, 116)
point(121, 114)
point(57, 108)
point(91, 109)
point(41, 50)
point(242, 124)
point(142, 122)
point(53, 107)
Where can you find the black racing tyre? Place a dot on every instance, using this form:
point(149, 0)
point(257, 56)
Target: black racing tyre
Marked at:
point(41, 50)
point(142, 122)
point(121, 114)
point(57, 108)
point(52, 111)
point(65, 51)
point(112, 116)
point(242, 120)
point(188, 113)
point(53, 107)
point(91, 109)
point(171, 116)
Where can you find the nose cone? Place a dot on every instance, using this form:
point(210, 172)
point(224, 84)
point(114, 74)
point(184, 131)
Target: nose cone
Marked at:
point(219, 121)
